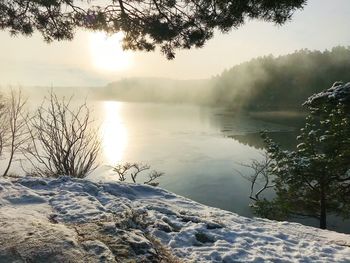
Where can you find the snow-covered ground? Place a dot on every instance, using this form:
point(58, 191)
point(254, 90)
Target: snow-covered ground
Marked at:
point(71, 220)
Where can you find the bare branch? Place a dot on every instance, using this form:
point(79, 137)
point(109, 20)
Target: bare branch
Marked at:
point(261, 173)
point(152, 177)
point(139, 168)
point(122, 169)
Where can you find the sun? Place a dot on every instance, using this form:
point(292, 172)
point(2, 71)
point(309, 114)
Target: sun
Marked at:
point(107, 53)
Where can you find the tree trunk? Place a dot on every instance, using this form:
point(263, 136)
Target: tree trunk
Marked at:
point(12, 153)
point(323, 211)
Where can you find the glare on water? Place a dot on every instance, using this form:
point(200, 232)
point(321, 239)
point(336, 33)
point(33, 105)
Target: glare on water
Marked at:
point(114, 133)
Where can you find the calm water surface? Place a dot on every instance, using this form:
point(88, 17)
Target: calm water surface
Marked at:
point(199, 149)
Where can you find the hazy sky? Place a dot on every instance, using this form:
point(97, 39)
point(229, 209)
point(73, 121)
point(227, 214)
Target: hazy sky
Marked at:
point(29, 61)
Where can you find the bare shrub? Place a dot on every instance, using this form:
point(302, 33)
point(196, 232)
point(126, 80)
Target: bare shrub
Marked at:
point(62, 141)
point(133, 170)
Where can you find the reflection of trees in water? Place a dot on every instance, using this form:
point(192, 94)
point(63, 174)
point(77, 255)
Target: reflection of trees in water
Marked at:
point(294, 118)
point(283, 127)
point(287, 139)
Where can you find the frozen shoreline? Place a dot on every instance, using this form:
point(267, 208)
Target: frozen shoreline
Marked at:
point(79, 220)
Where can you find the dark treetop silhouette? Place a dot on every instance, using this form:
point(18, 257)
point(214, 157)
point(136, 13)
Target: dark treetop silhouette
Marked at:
point(169, 24)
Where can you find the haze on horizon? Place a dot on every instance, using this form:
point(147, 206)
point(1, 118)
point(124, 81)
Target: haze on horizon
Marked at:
point(82, 62)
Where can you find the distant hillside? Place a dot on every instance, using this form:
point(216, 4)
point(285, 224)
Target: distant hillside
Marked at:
point(281, 83)
point(159, 90)
point(264, 83)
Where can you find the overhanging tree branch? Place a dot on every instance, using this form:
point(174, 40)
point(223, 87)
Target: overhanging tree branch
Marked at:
point(170, 24)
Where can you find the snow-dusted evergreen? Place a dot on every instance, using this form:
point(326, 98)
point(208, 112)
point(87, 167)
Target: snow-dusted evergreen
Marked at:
point(312, 180)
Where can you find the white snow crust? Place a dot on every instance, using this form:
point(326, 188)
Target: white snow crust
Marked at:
point(339, 92)
point(42, 216)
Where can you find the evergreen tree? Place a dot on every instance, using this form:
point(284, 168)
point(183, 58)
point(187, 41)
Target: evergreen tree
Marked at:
point(168, 24)
point(280, 83)
point(313, 180)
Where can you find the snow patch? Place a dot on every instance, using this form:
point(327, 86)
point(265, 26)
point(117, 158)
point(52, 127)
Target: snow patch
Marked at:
point(95, 222)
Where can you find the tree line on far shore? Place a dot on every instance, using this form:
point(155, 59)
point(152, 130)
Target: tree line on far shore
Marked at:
point(281, 83)
point(264, 83)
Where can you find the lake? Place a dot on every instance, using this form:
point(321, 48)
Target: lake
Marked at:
point(200, 149)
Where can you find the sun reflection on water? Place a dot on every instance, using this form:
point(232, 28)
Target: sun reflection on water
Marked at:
point(114, 133)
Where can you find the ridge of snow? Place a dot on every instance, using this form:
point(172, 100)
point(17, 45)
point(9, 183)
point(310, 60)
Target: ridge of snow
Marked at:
point(339, 92)
point(34, 208)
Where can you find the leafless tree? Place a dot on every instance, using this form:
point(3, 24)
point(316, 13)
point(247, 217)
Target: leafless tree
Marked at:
point(4, 127)
point(134, 169)
point(62, 141)
point(260, 178)
point(14, 133)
